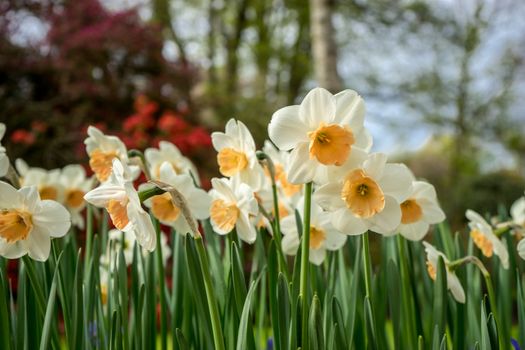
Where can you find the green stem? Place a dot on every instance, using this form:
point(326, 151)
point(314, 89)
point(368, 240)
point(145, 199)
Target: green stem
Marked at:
point(136, 153)
point(367, 265)
point(305, 259)
point(490, 289)
point(89, 233)
point(162, 282)
point(37, 287)
point(407, 301)
point(210, 295)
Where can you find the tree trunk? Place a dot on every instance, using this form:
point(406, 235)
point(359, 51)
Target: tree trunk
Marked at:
point(324, 49)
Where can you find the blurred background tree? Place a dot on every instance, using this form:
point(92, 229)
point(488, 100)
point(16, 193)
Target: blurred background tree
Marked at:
point(443, 80)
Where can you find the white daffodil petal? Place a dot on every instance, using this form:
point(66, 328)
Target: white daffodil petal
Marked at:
point(396, 181)
point(301, 168)
point(375, 165)
point(455, 287)
point(12, 250)
point(364, 140)
point(143, 229)
point(432, 213)
point(318, 106)
point(521, 248)
point(290, 244)
point(317, 256)
point(286, 130)
point(38, 244)
point(345, 222)
point(415, 231)
point(52, 217)
point(350, 109)
point(245, 229)
point(386, 221)
point(329, 196)
point(4, 164)
point(334, 240)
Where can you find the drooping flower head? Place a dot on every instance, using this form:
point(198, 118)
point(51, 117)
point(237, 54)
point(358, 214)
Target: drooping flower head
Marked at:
point(323, 236)
point(419, 211)
point(322, 131)
point(485, 239)
point(118, 196)
point(366, 195)
point(75, 185)
point(453, 283)
point(102, 150)
point(4, 160)
point(166, 210)
point(168, 152)
point(236, 155)
point(28, 223)
point(232, 206)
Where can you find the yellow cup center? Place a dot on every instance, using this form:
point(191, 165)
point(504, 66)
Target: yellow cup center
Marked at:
point(48, 192)
point(163, 208)
point(362, 194)
point(410, 211)
point(317, 237)
point(118, 213)
point(15, 225)
point(331, 144)
point(482, 242)
point(231, 161)
point(224, 215)
point(101, 163)
point(74, 198)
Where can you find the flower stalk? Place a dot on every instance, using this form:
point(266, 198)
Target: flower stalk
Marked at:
point(305, 256)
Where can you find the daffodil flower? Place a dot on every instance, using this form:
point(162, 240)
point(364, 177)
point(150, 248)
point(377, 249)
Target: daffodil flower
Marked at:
point(280, 160)
point(232, 206)
point(236, 155)
point(322, 131)
point(323, 236)
point(485, 239)
point(168, 152)
point(419, 211)
point(122, 202)
point(453, 283)
point(75, 185)
point(4, 160)
point(28, 223)
point(366, 196)
point(102, 150)
point(166, 211)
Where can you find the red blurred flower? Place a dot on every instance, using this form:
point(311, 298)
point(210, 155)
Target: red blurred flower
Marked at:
point(199, 137)
point(171, 122)
point(39, 126)
point(138, 121)
point(143, 105)
point(23, 136)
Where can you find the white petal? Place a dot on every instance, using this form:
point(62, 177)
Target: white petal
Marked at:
point(290, 243)
point(286, 130)
point(350, 109)
point(301, 168)
point(521, 248)
point(517, 211)
point(455, 287)
point(199, 202)
point(221, 140)
point(317, 256)
point(415, 231)
point(245, 137)
point(52, 218)
point(432, 213)
point(363, 140)
point(222, 188)
point(101, 195)
point(4, 164)
point(12, 250)
point(143, 228)
point(345, 222)
point(388, 219)
point(329, 196)
point(501, 251)
point(245, 229)
point(396, 181)
point(9, 196)
point(354, 161)
point(38, 244)
point(375, 165)
point(2, 131)
point(318, 106)
point(334, 240)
